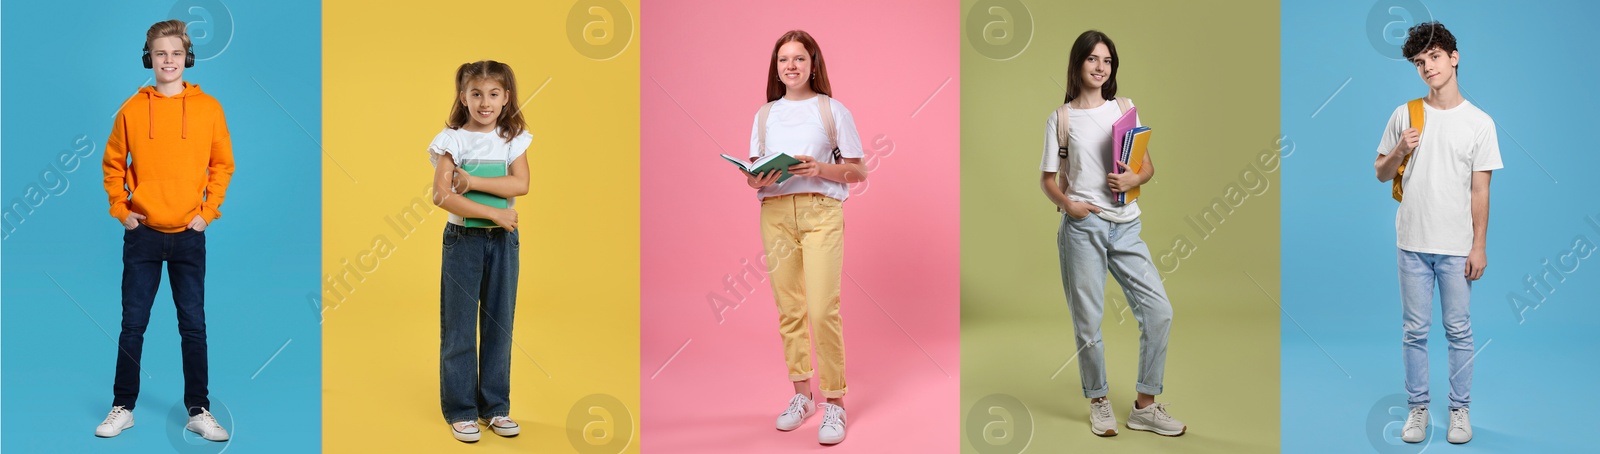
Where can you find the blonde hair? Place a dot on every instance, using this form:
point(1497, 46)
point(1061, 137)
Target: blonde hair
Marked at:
point(168, 28)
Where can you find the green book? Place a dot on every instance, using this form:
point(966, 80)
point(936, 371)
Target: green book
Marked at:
point(775, 161)
point(485, 169)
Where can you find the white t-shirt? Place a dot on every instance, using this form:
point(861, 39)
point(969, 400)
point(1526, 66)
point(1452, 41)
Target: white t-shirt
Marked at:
point(1088, 158)
point(477, 147)
point(795, 127)
point(1435, 216)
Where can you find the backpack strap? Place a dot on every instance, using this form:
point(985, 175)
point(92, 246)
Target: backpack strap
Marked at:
point(761, 128)
point(825, 106)
point(1417, 117)
point(1062, 137)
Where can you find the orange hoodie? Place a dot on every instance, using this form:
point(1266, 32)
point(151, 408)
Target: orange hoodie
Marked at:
point(182, 158)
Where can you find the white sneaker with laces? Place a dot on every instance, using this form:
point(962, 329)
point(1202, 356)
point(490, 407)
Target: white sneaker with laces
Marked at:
point(118, 420)
point(206, 425)
point(832, 430)
point(503, 426)
point(1102, 421)
point(466, 431)
point(1416, 428)
point(1460, 426)
point(1154, 418)
point(800, 408)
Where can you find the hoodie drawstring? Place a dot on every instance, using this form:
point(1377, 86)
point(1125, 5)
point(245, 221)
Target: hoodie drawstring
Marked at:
point(150, 103)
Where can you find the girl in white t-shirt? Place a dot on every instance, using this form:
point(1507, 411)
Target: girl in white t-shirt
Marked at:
point(480, 164)
point(1097, 234)
point(802, 222)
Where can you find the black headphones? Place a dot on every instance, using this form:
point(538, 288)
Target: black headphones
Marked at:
point(188, 56)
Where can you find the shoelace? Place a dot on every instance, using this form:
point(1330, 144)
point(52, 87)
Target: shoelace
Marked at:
point(1160, 410)
point(1458, 419)
point(115, 412)
point(834, 416)
point(1102, 409)
point(797, 405)
point(466, 427)
point(495, 421)
point(1414, 420)
point(208, 420)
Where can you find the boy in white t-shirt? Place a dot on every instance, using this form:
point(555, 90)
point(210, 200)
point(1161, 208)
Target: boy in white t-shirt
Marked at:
point(1442, 220)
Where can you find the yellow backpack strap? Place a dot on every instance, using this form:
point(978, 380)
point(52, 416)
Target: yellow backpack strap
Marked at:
point(1123, 104)
point(1414, 108)
point(761, 128)
point(1417, 116)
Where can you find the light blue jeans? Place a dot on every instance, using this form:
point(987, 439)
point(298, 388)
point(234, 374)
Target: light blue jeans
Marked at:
point(1419, 272)
point(1089, 247)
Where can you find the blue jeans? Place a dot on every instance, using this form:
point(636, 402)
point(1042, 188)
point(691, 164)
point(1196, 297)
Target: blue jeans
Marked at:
point(480, 265)
point(143, 251)
point(1419, 272)
point(1089, 247)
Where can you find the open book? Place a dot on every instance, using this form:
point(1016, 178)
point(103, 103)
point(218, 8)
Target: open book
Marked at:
point(774, 161)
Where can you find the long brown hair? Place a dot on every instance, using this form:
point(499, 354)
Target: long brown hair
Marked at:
point(819, 83)
point(1080, 52)
point(510, 122)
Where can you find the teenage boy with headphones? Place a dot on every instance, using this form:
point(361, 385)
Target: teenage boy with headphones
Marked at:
point(182, 160)
point(1439, 151)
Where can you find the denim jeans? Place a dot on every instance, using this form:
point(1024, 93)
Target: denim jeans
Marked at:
point(143, 251)
point(1419, 272)
point(480, 265)
point(1089, 247)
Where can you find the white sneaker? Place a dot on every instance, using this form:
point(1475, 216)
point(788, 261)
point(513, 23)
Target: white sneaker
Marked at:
point(800, 408)
point(119, 419)
point(1460, 426)
point(1154, 418)
point(206, 425)
point(466, 431)
point(1416, 425)
point(832, 430)
point(1102, 421)
point(503, 426)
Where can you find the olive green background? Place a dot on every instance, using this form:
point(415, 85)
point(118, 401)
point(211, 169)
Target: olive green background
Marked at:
point(1205, 78)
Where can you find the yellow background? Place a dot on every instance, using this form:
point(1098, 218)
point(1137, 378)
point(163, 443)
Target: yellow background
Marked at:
point(387, 89)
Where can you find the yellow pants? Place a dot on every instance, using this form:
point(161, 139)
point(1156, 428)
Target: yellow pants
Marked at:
point(804, 238)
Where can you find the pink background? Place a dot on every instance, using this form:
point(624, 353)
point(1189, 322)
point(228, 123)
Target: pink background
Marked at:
point(715, 382)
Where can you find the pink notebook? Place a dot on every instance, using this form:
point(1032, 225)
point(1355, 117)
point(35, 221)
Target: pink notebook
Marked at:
point(1127, 122)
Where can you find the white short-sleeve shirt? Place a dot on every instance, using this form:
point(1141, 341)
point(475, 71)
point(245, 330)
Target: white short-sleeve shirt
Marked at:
point(477, 147)
point(1088, 158)
point(1435, 216)
point(795, 128)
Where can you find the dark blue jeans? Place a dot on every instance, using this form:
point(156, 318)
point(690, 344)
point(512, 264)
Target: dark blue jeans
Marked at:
point(143, 251)
point(480, 266)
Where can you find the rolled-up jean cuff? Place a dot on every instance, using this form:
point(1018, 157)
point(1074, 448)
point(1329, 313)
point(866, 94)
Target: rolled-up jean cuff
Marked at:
point(1147, 389)
point(800, 377)
point(826, 394)
point(1096, 393)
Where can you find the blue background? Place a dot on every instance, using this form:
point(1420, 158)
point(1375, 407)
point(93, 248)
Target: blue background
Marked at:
point(1527, 64)
point(67, 66)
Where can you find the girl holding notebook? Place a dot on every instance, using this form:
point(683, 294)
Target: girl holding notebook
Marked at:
point(480, 165)
point(802, 222)
point(1098, 234)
